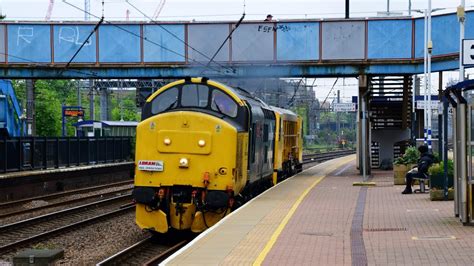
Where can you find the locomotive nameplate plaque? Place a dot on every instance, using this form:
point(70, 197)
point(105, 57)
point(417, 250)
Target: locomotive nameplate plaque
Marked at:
point(156, 166)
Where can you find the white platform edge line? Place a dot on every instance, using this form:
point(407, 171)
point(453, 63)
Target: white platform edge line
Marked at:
point(343, 169)
point(183, 249)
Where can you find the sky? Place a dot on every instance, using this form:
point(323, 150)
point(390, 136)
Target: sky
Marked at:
point(213, 9)
point(228, 10)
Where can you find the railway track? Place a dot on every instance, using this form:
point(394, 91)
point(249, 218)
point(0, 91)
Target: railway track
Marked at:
point(40, 228)
point(16, 203)
point(95, 197)
point(319, 157)
point(145, 252)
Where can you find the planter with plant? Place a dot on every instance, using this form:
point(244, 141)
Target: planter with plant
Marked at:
point(403, 164)
point(436, 173)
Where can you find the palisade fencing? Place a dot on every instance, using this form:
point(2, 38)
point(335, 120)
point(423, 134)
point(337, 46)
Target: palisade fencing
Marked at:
point(33, 153)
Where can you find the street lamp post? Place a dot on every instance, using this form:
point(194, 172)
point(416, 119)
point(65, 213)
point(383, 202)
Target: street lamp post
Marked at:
point(430, 49)
point(425, 79)
point(461, 16)
point(428, 44)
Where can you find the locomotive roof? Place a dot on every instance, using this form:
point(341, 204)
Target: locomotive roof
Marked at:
point(237, 93)
point(287, 114)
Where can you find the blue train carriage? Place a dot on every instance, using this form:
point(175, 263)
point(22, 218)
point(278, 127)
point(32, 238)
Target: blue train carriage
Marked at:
point(203, 149)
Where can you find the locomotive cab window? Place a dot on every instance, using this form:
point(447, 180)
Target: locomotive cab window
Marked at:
point(194, 95)
point(223, 103)
point(165, 101)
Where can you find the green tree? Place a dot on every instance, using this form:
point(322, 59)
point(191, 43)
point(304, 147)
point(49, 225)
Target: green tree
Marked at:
point(48, 112)
point(123, 106)
point(19, 86)
point(52, 94)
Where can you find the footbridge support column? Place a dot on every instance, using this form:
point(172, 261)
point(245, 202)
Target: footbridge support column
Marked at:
point(104, 104)
point(30, 108)
point(363, 127)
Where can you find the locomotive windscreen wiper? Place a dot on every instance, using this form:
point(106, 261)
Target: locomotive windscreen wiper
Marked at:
point(217, 106)
point(171, 105)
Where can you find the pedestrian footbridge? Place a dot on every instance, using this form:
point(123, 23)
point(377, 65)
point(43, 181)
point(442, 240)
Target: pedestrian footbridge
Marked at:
point(329, 47)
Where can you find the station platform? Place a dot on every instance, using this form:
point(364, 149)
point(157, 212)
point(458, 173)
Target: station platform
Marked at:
point(319, 218)
point(24, 184)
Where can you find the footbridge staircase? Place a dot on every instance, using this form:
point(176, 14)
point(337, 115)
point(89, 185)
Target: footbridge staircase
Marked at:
point(11, 124)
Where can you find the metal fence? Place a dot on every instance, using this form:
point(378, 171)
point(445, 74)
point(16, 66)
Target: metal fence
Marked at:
point(32, 153)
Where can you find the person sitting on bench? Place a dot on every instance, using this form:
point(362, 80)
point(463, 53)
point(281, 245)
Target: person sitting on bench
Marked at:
point(425, 161)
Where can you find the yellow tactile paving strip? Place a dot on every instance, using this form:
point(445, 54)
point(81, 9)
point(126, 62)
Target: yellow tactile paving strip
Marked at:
point(241, 238)
point(320, 231)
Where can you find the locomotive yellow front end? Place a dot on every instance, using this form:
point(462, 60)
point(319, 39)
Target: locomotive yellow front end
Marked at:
point(190, 157)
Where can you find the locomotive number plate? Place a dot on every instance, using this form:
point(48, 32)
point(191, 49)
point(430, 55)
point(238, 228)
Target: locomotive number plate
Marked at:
point(156, 166)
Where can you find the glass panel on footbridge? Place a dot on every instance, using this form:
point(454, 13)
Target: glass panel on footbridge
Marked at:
point(69, 38)
point(205, 40)
point(119, 43)
point(343, 40)
point(253, 42)
point(389, 39)
point(165, 43)
point(29, 43)
point(297, 41)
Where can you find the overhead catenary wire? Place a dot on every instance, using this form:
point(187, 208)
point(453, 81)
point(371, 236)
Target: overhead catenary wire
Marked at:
point(224, 42)
point(290, 102)
point(226, 15)
point(82, 45)
point(174, 35)
point(47, 65)
point(329, 92)
point(143, 38)
point(85, 41)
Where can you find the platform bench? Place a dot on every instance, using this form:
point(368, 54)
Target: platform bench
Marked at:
point(421, 181)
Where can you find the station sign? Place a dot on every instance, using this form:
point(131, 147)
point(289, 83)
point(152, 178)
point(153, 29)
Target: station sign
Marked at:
point(435, 105)
point(73, 111)
point(467, 52)
point(344, 107)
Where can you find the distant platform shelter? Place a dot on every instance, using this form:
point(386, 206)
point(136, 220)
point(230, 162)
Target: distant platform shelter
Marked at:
point(93, 128)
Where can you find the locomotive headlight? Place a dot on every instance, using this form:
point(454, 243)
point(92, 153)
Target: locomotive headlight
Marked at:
point(201, 143)
point(167, 141)
point(183, 163)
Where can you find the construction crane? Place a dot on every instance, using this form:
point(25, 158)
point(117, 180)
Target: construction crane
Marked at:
point(50, 10)
point(160, 6)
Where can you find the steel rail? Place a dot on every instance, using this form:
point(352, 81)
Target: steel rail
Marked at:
point(57, 214)
point(9, 204)
point(34, 229)
point(124, 252)
point(161, 257)
point(318, 157)
point(36, 238)
point(61, 203)
point(141, 251)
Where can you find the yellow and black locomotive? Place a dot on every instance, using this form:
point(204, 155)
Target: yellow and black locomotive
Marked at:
point(204, 148)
